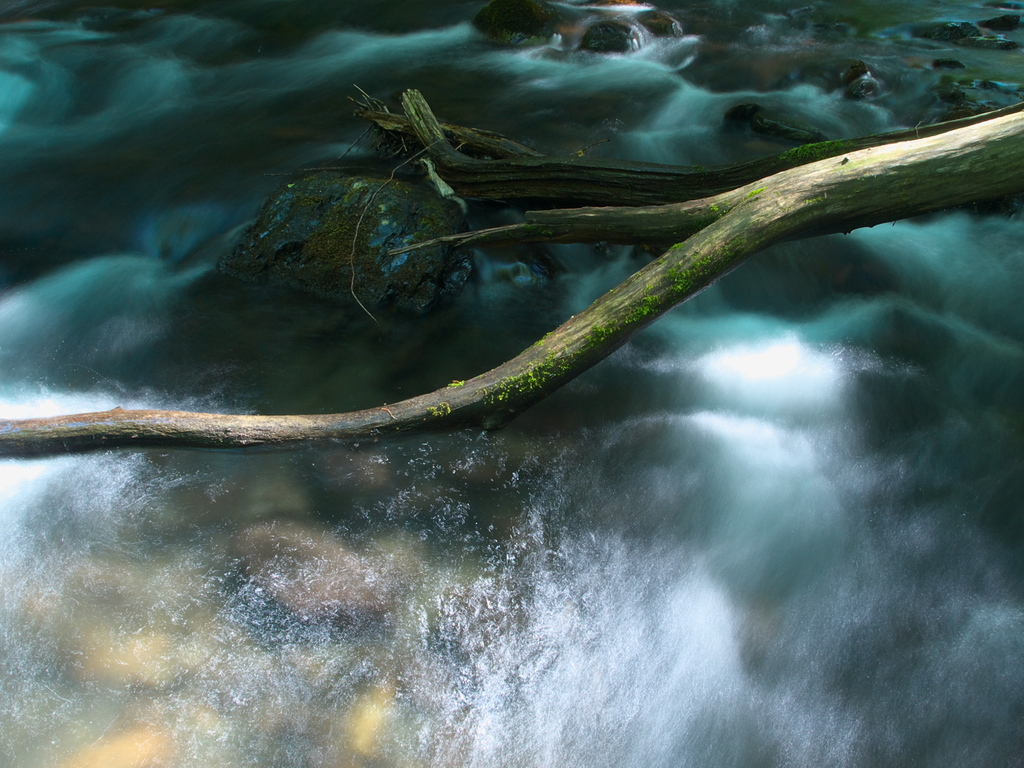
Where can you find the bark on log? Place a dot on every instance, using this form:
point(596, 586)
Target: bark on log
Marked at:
point(585, 181)
point(862, 188)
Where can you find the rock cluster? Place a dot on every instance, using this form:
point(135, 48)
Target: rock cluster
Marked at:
point(968, 35)
point(612, 27)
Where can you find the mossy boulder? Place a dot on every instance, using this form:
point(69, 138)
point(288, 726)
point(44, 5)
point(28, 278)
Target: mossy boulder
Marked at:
point(517, 22)
point(330, 234)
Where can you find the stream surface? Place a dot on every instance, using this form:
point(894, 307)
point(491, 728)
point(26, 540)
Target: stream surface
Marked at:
point(782, 527)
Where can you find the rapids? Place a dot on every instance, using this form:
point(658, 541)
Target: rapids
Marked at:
point(783, 526)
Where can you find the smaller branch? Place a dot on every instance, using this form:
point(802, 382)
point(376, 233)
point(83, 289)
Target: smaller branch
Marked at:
point(594, 181)
point(472, 141)
point(641, 225)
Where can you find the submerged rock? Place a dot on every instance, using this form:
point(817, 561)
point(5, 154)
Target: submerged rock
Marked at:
point(140, 746)
point(314, 233)
point(314, 574)
point(517, 22)
point(611, 36)
point(768, 124)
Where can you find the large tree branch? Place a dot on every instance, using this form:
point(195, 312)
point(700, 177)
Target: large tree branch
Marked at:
point(580, 180)
point(862, 188)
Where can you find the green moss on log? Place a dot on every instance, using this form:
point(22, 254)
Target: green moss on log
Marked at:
point(819, 150)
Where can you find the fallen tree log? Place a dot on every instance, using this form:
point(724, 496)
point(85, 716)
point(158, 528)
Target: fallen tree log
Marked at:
point(862, 188)
point(513, 174)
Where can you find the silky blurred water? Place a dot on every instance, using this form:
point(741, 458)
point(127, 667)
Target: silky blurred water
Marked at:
point(781, 527)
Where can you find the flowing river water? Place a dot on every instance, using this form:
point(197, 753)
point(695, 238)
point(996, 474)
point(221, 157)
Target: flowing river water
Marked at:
point(781, 527)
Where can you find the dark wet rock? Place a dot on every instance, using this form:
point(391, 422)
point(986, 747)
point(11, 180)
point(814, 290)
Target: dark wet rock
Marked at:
point(968, 109)
point(517, 22)
point(769, 124)
point(863, 88)
point(313, 574)
point(963, 98)
point(660, 24)
point(856, 70)
point(1006, 6)
point(948, 64)
point(989, 42)
point(742, 113)
point(975, 97)
point(787, 131)
point(1003, 23)
point(947, 30)
point(952, 93)
point(314, 232)
point(611, 36)
point(860, 82)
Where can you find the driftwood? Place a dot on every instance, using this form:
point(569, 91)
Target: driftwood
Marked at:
point(976, 161)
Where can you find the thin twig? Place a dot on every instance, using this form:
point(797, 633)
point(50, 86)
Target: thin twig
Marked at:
point(359, 224)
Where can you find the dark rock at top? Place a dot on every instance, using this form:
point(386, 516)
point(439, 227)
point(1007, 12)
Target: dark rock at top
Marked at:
point(1002, 23)
point(517, 22)
point(947, 30)
point(611, 36)
point(315, 232)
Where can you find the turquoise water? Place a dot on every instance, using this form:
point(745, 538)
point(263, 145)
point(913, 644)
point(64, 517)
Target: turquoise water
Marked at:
point(780, 527)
